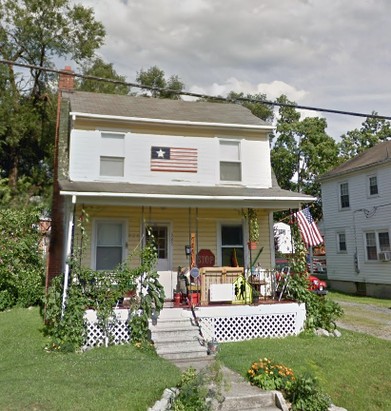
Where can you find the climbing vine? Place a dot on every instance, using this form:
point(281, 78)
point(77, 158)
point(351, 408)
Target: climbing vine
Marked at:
point(101, 291)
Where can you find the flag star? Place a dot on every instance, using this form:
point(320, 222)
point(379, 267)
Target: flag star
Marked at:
point(160, 153)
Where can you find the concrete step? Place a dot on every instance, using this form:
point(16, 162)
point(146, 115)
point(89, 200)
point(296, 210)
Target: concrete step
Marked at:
point(261, 401)
point(174, 335)
point(184, 356)
point(179, 346)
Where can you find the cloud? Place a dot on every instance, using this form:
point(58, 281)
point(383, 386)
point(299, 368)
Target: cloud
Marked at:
point(333, 54)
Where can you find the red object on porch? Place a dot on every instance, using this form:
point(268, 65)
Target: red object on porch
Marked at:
point(205, 258)
point(177, 299)
point(194, 298)
point(252, 245)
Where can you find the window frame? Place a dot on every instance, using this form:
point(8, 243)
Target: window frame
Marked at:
point(339, 242)
point(116, 159)
point(241, 246)
point(226, 161)
point(94, 242)
point(379, 247)
point(369, 177)
point(341, 195)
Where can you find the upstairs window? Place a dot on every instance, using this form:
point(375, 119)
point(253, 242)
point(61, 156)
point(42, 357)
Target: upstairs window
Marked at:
point(111, 166)
point(344, 195)
point(230, 162)
point(373, 188)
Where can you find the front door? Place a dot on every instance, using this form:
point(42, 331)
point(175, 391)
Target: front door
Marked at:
point(161, 236)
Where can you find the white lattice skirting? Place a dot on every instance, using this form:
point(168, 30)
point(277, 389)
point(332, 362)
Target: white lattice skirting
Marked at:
point(225, 324)
point(118, 332)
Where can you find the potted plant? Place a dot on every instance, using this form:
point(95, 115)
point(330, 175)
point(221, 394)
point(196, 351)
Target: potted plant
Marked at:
point(255, 295)
point(253, 227)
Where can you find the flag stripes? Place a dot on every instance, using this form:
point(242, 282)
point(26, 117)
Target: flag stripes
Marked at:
point(174, 159)
point(308, 229)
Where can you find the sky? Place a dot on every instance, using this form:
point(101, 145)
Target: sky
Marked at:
point(331, 54)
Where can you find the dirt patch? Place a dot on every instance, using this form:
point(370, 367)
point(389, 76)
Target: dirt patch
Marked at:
point(366, 318)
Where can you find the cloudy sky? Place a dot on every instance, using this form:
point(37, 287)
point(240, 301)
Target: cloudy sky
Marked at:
point(332, 54)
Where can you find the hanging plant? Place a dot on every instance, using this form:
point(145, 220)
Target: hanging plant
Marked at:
point(253, 224)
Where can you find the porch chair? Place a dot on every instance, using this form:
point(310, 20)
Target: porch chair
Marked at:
point(282, 282)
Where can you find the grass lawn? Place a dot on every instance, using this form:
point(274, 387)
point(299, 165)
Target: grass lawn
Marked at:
point(355, 369)
point(338, 296)
point(115, 378)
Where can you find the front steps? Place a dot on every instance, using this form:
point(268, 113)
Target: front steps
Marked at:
point(176, 337)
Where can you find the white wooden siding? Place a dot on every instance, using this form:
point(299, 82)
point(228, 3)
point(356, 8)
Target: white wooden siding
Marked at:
point(86, 147)
point(355, 223)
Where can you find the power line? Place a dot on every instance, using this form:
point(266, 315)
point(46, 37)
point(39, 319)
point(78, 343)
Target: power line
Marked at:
point(196, 95)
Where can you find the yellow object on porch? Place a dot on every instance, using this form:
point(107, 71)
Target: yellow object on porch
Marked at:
point(242, 291)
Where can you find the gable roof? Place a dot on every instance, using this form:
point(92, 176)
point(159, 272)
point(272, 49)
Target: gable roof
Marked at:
point(379, 154)
point(114, 105)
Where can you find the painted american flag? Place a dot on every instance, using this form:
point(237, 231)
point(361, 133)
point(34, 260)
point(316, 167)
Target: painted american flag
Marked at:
point(174, 159)
point(308, 229)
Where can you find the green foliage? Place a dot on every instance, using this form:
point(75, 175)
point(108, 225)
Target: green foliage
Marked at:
point(100, 291)
point(302, 391)
point(305, 395)
point(37, 32)
point(197, 390)
point(321, 312)
point(254, 103)
point(253, 224)
point(98, 68)
point(372, 132)
point(268, 375)
point(21, 263)
point(155, 80)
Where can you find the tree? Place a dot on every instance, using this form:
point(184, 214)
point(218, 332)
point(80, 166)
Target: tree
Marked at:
point(98, 68)
point(34, 32)
point(254, 103)
point(154, 78)
point(302, 150)
point(372, 132)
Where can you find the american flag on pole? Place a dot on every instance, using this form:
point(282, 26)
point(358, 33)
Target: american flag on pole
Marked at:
point(174, 159)
point(308, 229)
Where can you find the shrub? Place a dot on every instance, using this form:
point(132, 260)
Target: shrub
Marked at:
point(21, 263)
point(269, 375)
point(305, 395)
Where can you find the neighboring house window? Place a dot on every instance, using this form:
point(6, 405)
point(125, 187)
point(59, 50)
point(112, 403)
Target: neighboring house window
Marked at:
point(341, 238)
point(111, 166)
point(376, 241)
point(109, 244)
point(232, 245)
point(230, 162)
point(344, 195)
point(373, 187)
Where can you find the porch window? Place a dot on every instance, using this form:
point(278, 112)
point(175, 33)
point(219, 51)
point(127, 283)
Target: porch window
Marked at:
point(111, 166)
point(232, 245)
point(341, 239)
point(376, 241)
point(373, 187)
point(109, 244)
point(344, 195)
point(230, 162)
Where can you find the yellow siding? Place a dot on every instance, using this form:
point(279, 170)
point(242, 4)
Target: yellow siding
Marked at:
point(182, 223)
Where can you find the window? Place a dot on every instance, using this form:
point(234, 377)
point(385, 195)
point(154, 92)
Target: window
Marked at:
point(232, 245)
point(373, 188)
point(344, 195)
point(230, 163)
point(111, 166)
point(341, 238)
point(109, 244)
point(161, 241)
point(376, 241)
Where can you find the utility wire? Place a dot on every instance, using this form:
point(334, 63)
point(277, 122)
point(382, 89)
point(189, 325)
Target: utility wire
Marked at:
point(196, 95)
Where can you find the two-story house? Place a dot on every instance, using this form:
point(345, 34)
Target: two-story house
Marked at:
point(357, 222)
point(187, 169)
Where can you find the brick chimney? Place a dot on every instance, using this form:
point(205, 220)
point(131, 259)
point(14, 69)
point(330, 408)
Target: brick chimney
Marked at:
point(66, 81)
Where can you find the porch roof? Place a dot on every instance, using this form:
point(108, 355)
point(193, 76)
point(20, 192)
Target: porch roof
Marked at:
point(181, 195)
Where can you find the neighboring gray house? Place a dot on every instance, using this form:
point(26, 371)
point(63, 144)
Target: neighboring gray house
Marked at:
point(357, 223)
